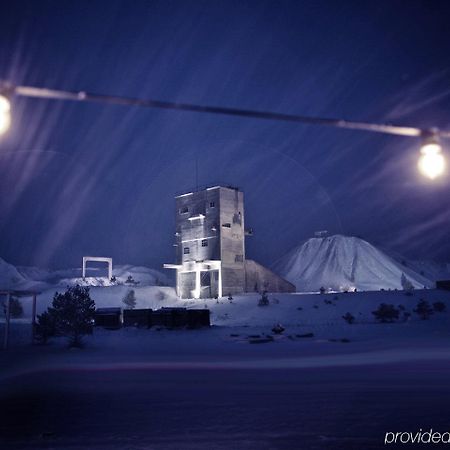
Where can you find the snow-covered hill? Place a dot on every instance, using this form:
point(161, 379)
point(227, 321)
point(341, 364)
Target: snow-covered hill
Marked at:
point(24, 277)
point(429, 269)
point(341, 262)
point(9, 276)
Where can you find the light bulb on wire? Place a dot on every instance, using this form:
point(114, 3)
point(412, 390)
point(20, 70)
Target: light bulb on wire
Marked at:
point(431, 162)
point(5, 114)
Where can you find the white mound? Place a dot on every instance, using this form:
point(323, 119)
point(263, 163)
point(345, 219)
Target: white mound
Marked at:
point(345, 263)
point(10, 278)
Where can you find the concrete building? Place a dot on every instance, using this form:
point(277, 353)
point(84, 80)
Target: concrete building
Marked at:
point(210, 247)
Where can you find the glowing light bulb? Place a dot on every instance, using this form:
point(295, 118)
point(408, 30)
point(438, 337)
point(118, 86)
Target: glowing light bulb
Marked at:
point(5, 114)
point(431, 162)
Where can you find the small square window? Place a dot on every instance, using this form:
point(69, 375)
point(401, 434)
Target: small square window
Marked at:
point(184, 210)
point(226, 225)
point(212, 204)
point(186, 250)
point(204, 242)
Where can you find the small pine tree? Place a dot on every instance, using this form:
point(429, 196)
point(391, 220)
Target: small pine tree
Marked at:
point(130, 299)
point(15, 307)
point(73, 312)
point(439, 306)
point(386, 313)
point(406, 284)
point(45, 327)
point(423, 309)
point(349, 318)
point(264, 300)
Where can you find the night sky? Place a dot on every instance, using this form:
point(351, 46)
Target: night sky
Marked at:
point(78, 178)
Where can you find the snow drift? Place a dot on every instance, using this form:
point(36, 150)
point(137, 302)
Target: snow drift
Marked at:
point(345, 263)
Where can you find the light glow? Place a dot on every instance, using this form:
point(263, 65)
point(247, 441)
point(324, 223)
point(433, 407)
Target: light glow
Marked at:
point(5, 114)
point(431, 162)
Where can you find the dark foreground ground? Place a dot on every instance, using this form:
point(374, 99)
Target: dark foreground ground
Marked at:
point(339, 408)
point(200, 390)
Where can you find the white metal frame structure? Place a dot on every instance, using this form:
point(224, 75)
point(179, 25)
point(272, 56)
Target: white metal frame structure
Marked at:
point(97, 259)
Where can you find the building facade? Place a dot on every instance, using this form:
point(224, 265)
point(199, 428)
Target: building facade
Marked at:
point(210, 245)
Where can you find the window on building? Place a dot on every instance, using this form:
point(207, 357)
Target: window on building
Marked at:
point(237, 218)
point(212, 204)
point(239, 258)
point(184, 210)
point(186, 250)
point(204, 242)
point(226, 225)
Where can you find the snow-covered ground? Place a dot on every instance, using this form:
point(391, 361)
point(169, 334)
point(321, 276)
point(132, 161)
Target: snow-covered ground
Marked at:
point(297, 309)
point(226, 387)
point(321, 384)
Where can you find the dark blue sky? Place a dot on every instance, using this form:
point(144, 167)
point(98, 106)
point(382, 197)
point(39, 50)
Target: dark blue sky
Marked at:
point(80, 179)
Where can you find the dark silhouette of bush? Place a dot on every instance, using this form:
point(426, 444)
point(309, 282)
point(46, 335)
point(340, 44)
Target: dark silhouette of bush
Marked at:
point(264, 300)
point(386, 313)
point(424, 309)
point(349, 318)
point(45, 327)
point(439, 306)
point(278, 329)
point(15, 307)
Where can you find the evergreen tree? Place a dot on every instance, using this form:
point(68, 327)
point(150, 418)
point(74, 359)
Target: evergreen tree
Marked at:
point(15, 307)
point(424, 309)
point(73, 313)
point(264, 300)
point(130, 299)
point(45, 326)
point(406, 284)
